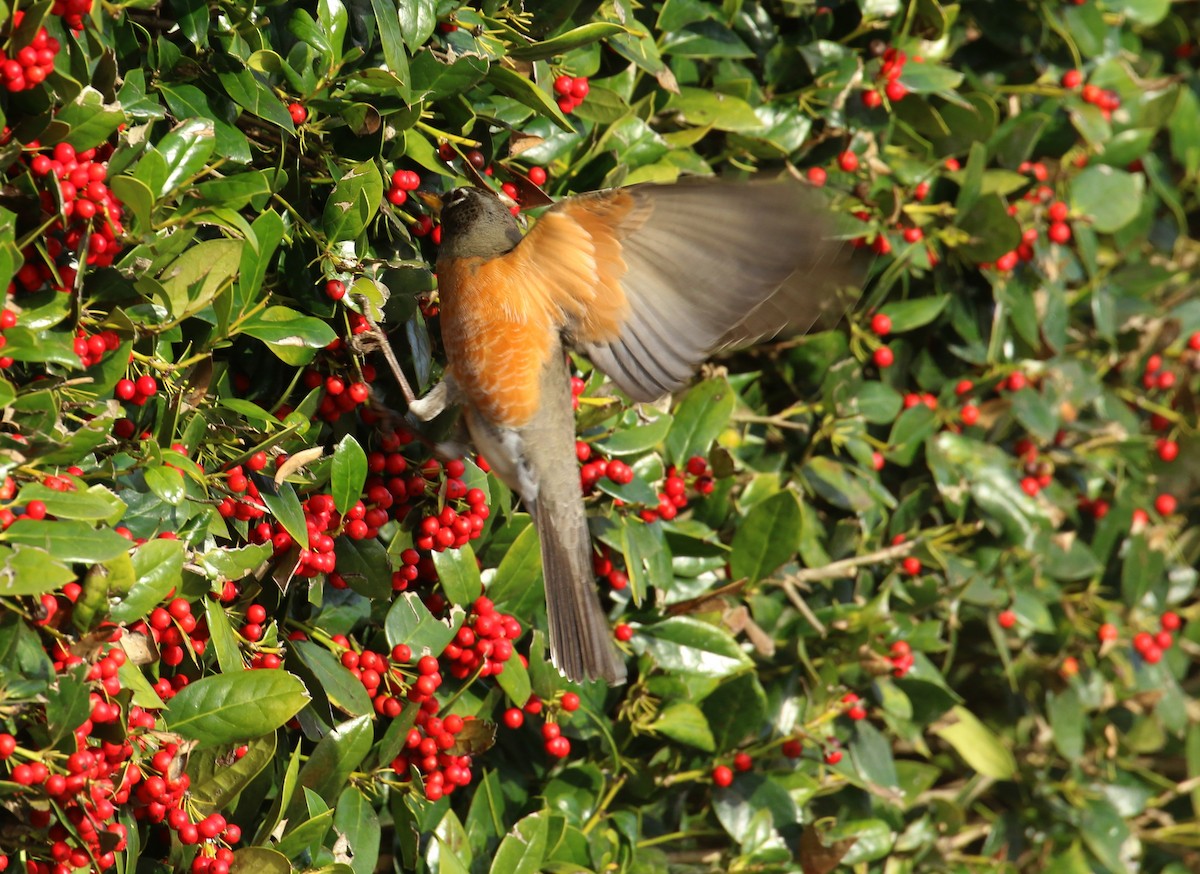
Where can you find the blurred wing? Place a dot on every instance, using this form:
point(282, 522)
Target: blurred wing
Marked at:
point(706, 265)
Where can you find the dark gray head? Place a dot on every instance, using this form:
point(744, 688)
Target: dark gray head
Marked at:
point(476, 224)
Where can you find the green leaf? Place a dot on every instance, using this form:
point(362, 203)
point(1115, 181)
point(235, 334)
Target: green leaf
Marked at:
point(992, 231)
point(391, 38)
point(184, 151)
point(291, 335)
point(979, 747)
point(167, 483)
point(704, 108)
point(348, 473)
point(701, 416)
point(94, 505)
point(336, 757)
point(683, 645)
point(248, 90)
point(262, 859)
point(524, 91)
point(217, 778)
point(684, 722)
point(364, 565)
point(67, 541)
point(353, 203)
point(213, 710)
point(418, 20)
point(343, 690)
point(637, 439)
point(766, 538)
point(523, 849)
point(459, 574)
point(88, 120)
point(1067, 722)
point(518, 578)
point(410, 622)
point(1111, 198)
point(283, 504)
point(514, 680)
point(909, 432)
point(25, 571)
point(578, 37)
point(157, 569)
point(354, 818)
point(907, 315)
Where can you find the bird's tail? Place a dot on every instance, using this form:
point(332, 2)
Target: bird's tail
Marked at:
point(580, 640)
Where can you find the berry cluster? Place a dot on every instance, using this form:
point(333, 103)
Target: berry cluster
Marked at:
point(92, 214)
point(1106, 101)
point(244, 503)
point(340, 397)
point(571, 92)
point(483, 643)
point(603, 565)
point(320, 519)
point(554, 742)
point(450, 528)
point(136, 391)
point(595, 469)
point(403, 181)
point(90, 348)
point(176, 630)
point(31, 64)
point(890, 71)
point(72, 12)
point(431, 742)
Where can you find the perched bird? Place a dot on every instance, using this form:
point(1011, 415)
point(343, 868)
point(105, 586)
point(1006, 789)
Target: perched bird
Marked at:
point(647, 281)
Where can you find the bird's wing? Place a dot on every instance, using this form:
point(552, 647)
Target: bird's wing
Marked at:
point(650, 280)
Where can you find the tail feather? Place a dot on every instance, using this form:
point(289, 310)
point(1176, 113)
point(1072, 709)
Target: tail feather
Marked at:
point(580, 639)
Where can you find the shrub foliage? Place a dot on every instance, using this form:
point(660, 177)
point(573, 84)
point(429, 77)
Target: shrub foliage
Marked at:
point(911, 594)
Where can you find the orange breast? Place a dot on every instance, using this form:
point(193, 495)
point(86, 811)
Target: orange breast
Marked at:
point(498, 337)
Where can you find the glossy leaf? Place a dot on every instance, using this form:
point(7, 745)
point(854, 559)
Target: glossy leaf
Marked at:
point(213, 710)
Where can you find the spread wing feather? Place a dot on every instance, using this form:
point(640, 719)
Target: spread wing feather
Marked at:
point(706, 265)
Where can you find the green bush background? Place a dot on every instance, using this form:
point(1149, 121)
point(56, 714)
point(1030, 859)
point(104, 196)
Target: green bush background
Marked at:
point(1022, 746)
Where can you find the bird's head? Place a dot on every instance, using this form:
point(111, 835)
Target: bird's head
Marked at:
point(476, 223)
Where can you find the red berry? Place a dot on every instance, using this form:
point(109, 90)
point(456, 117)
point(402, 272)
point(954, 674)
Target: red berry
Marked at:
point(1165, 504)
point(298, 113)
point(1107, 632)
point(1006, 618)
point(848, 161)
point(570, 702)
point(722, 775)
point(335, 289)
point(1168, 450)
point(125, 389)
point(833, 757)
point(911, 565)
point(817, 176)
point(1170, 621)
point(537, 175)
point(1072, 79)
point(896, 91)
point(1059, 232)
point(562, 86)
point(146, 385)
point(623, 632)
point(881, 324)
point(743, 762)
point(871, 99)
point(883, 357)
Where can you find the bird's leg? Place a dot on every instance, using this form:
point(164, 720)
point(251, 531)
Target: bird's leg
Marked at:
point(445, 394)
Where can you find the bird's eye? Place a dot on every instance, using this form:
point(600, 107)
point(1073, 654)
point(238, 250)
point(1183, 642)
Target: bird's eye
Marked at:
point(459, 195)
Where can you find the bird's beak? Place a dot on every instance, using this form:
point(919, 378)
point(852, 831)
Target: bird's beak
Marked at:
point(431, 200)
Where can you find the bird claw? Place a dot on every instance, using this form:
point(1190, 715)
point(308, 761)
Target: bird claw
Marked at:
point(442, 395)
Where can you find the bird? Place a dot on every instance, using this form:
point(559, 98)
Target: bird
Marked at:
point(647, 281)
